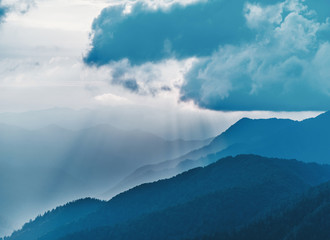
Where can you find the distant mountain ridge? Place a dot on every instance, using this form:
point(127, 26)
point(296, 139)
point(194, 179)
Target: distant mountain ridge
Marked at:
point(307, 141)
point(199, 199)
point(53, 165)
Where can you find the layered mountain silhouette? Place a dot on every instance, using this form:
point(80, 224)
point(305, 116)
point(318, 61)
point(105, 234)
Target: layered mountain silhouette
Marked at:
point(53, 165)
point(103, 142)
point(223, 196)
point(306, 141)
point(246, 184)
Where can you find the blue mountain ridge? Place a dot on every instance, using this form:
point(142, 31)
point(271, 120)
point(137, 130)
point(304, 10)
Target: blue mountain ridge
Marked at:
point(233, 191)
point(306, 141)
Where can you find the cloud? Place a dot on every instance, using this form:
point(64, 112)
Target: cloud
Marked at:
point(21, 6)
point(146, 34)
point(119, 78)
point(251, 55)
point(284, 68)
point(112, 100)
point(3, 11)
point(148, 78)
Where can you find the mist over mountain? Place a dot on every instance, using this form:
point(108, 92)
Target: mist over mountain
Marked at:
point(165, 125)
point(220, 197)
point(52, 165)
point(306, 140)
point(89, 170)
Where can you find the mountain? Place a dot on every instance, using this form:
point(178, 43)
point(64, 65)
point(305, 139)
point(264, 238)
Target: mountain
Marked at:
point(306, 141)
point(53, 165)
point(180, 125)
point(305, 218)
point(70, 212)
point(116, 151)
point(104, 142)
point(303, 140)
point(231, 193)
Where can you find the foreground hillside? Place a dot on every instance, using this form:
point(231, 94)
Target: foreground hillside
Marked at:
point(223, 196)
point(306, 218)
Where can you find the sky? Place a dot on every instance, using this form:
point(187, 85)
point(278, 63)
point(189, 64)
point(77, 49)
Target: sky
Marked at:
point(197, 65)
point(184, 69)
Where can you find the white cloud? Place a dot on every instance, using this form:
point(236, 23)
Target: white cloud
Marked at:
point(18, 6)
point(320, 65)
point(164, 77)
point(111, 99)
point(154, 4)
point(296, 33)
point(285, 64)
point(257, 16)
